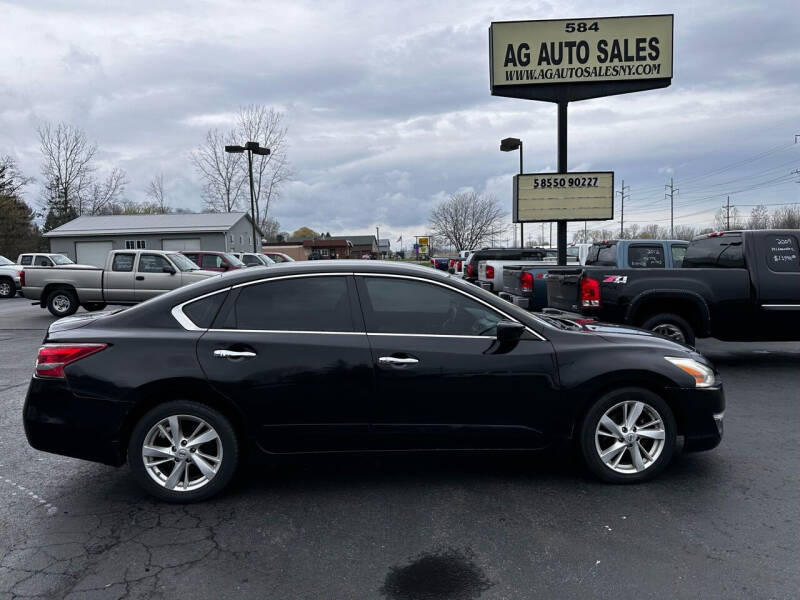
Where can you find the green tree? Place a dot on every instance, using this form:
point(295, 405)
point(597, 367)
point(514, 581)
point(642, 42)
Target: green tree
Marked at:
point(18, 232)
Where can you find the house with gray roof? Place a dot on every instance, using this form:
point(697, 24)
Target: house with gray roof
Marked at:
point(88, 239)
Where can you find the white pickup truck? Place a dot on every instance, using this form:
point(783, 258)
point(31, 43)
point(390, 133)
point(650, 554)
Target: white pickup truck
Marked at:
point(129, 277)
point(490, 271)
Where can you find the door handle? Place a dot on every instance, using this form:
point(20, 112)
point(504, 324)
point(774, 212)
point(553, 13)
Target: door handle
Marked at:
point(393, 360)
point(233, 354)
point(140, 278)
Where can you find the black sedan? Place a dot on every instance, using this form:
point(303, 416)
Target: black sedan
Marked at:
point(356, 357)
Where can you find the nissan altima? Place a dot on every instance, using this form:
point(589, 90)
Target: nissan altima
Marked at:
point(353, 356)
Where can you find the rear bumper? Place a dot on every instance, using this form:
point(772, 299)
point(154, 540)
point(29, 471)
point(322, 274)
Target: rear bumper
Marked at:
point(57, 421)
point(520, 301)
point(701, 415)
point(486, 285)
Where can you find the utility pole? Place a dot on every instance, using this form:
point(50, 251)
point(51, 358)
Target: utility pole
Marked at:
point(622, 193)
point(671, 194)
point(728, 210)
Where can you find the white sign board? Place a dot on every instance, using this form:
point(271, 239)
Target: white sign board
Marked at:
point(610, 49)
point(564, 197)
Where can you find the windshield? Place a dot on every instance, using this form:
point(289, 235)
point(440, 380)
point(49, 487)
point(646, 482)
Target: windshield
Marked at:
point(59, 259)
point(266, 259)
point(183, 263)
point(233, 260)
point(4, 261)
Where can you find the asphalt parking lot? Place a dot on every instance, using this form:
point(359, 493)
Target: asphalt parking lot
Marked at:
point(720, 524)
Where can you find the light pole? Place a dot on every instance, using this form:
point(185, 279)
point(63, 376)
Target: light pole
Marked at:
point(251, 148)
point(509, 145)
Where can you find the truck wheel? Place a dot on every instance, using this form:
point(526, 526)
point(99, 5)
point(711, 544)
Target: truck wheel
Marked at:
point(62, 303)
point(183, 451)
point(628, 436)
point(7, 288)
point(94, 306)
point(671, 326)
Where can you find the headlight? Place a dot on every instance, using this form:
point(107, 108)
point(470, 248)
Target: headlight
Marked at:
point(703, 376)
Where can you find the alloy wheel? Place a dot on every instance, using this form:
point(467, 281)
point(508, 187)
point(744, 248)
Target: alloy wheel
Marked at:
point(62, 303)
point(5, 289)
point(668, 330)
point(630, 437)
point(182, 453)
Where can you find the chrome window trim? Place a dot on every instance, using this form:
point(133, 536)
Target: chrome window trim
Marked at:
point(780, 306)
point(186, 322)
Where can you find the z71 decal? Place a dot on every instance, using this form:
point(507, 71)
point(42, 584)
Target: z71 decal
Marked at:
point(615, 279)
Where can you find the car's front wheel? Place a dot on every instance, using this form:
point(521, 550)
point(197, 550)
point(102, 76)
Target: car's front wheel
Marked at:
point(183, 451)
point(628, 436)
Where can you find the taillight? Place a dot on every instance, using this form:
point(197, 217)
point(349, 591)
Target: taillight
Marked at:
point(489, 272)
point(526, 280)
point(433, 262)
point(459, 266)
point(53, 358)
point(470, 270)
point(22, 278)
point(451, 263)
point(590, 292)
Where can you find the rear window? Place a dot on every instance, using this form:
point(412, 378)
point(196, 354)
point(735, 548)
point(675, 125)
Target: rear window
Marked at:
point(604, 255)
point(721, 251)
point(26, 259)
point(646, 257)
point(122, 262)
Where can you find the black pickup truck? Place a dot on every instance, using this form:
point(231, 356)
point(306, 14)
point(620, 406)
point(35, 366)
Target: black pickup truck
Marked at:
point(734, 286)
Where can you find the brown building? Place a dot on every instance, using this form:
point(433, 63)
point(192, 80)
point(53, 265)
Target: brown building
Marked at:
point(327, 248)
point(341, 246)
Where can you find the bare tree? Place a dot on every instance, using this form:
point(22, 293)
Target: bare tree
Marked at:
point(67, 165)
point(468, 219)
point(685, 232)
point(106, 192)
point(155, 191)
point(723, 220)
point(11, 179)
point(258, 123)
point(759, 218)
point(270, 228)
point(786, 217)
point(221, 171)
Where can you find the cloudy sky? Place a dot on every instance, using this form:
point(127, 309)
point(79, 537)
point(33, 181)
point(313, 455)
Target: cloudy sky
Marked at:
point(388, 103)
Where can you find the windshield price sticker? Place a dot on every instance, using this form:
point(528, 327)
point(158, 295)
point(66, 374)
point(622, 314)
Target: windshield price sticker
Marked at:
point(564, 196)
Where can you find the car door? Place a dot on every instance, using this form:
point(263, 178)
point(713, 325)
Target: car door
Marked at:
point(119, 282)
point(42, 261)
point(154, 276)
point(776, 268)
point(292, 353)
point(442, 378)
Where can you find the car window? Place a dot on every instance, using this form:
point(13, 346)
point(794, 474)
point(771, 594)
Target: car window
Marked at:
point(250, 259)
point(26, 259)
point(646, 257)
point(233, 260)
point(212, 261)
point(301, 304)
point(60, 259)
point(184, 263)
point(397, 305)
point(202, 312)
point(4, 261)
point(603, 255)
point(43, 261)
point(152, 263)
point(192, 257)
point(782, 253)
point(718, 251)
point(123, 263)
point(678, 252)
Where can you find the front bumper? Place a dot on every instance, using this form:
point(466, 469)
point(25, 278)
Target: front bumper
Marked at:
point(57, 421)
point(700, 412)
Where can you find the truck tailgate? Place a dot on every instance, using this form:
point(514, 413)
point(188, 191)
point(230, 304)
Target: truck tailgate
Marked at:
point(563, 289)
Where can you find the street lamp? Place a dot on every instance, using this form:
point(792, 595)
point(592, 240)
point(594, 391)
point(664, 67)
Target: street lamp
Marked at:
point(251, 148)
point(509, 145)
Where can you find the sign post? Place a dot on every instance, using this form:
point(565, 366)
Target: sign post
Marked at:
point(566, 60)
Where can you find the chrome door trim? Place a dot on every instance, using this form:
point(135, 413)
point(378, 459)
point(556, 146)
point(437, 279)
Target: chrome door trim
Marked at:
point(780, 306)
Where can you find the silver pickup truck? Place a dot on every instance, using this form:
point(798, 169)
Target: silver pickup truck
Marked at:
point(129, 277)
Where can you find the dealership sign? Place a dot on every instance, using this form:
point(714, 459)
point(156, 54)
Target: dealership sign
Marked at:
point(564, 197)
point(625, 53)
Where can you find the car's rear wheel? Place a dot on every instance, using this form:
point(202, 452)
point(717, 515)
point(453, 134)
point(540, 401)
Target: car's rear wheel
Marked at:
point(628, 436)
point(62, 303)
point(671, 326)
point(7, 288)
point(183, 451)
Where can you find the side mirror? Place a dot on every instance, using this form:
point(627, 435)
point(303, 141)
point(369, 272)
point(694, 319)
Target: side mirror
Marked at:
point(169, 270)
point(509, 331)
point(224, 267)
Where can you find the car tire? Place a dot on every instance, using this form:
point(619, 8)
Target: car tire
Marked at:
point(610, 449)
point(94, 306)
point(179, 472)
point(62, 303)
point(671, 326)
point(7, 288)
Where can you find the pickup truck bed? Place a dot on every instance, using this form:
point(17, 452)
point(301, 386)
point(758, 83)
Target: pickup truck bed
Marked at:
point(741, 286)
